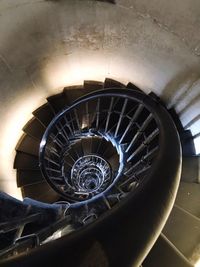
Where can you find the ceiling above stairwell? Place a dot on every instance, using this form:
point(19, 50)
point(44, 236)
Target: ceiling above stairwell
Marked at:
point(46, 45)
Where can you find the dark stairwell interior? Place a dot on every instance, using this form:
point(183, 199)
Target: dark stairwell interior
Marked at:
point(116, 135)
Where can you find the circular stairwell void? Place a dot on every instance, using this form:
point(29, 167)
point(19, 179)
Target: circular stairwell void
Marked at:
point(89, 175)
point(100, 157)
point(107, 140)
point(97, 150)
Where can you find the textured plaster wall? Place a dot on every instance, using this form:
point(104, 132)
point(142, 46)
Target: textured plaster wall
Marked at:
point(46, 45)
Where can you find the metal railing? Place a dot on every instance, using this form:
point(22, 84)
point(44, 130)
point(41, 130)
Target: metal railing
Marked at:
point(114, 157)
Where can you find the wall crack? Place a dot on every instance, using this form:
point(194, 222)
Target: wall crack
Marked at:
point(195, 51)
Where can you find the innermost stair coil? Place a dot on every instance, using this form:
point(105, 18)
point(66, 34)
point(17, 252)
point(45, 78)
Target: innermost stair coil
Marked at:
point(90, 174)
point(101, 146)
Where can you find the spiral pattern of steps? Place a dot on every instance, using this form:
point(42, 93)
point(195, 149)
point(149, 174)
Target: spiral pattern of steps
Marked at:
point(90, 149)
point(98, 150)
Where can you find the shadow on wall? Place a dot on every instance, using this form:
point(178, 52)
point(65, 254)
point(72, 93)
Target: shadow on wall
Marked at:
point(191, 103)
point(183, 93)
point(177, 89)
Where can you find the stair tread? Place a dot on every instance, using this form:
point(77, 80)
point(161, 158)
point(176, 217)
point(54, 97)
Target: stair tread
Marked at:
point(102, 146)
point(41, 192)
point(109, 151)
point(78, 148)
point(95, 145)
point(72, 94)
point(34, 128)
point(156, 98)
point(171, 256)
point(114, 161)
point(188, 198)
point(93, 85)
point(179, 222)
point(176, 119)
point(58, 102)
point(44, 114)
point(110, 83)
point(188, 147)
point(133, 86)
point(86, 145)
point(25, 161)
point(28, 145)
point(28, 177)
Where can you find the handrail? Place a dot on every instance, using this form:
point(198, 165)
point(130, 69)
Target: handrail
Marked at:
point(138, 219)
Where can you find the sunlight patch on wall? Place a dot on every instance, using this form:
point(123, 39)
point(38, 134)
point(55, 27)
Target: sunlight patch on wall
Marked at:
point(197, 145)
point(195, 259)
point(195, 128)
point(64, 70)
point(197, 264)
point(71, 70)
point(12, 124)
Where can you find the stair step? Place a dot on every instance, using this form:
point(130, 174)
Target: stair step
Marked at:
point(86, 145)
point(75, 92)
point(86, 113)
point(78, 149)
point(95, 145)
point(25, 161)
point(188, 147)
point(28, 145)
point(28, 177)
point(58, 102)
point(133, 86)
point(165, 254)
point(41, 192)
point(109, 151)
point(72, 93)
point(188, 198)
point(73, 154)
point(69, 161)
point(176, 119)
point(93, 85)
point(34, 128)
point(110, 83)
point(114, 162)
point(183, 230)
point(44, 114)
point(103, 144)
point(156, 98)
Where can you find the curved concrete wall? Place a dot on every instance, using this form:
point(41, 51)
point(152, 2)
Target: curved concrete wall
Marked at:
point(46, 45)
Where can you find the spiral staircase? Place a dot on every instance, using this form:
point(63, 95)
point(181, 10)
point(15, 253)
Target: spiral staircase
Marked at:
point(89, 163)
point(99, 165)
